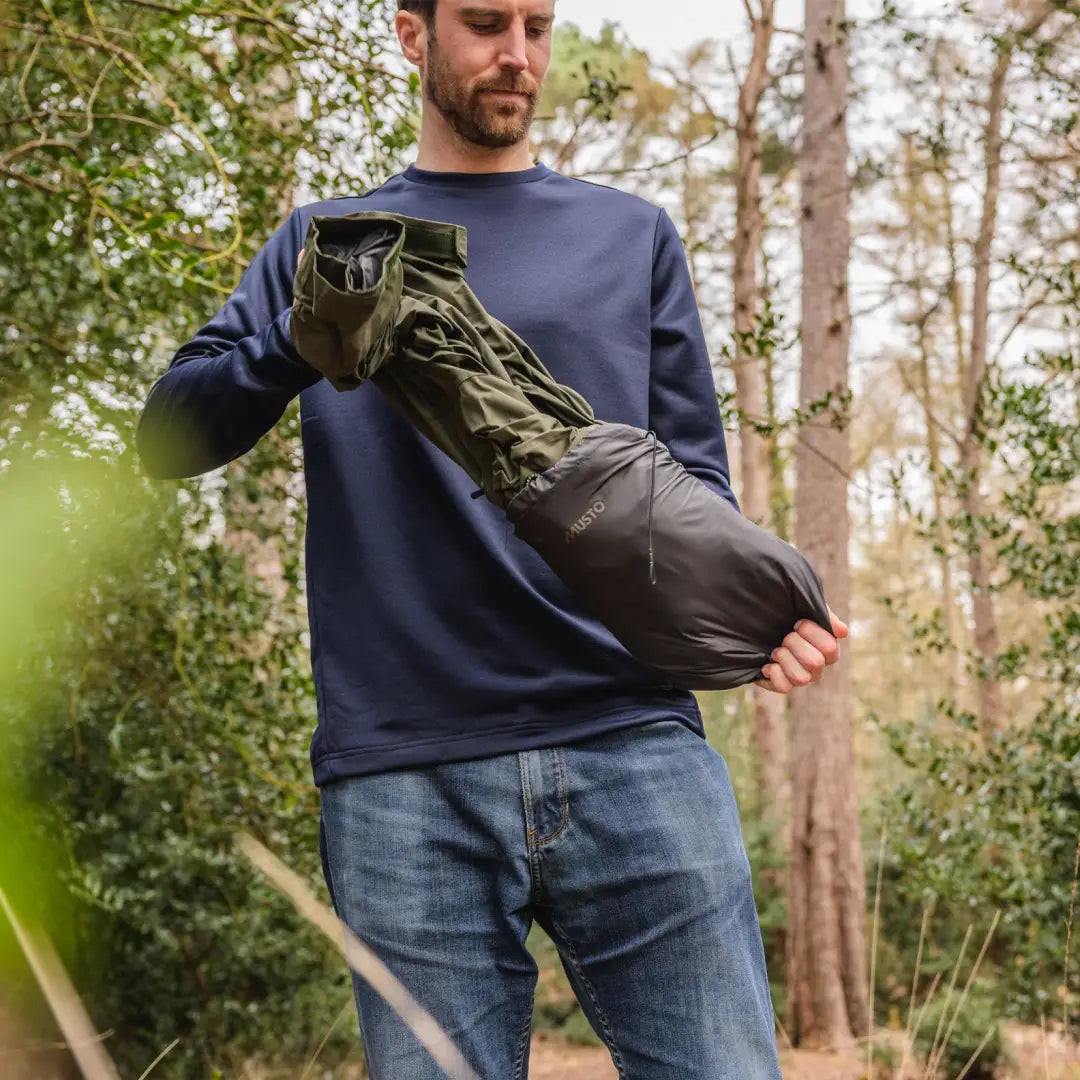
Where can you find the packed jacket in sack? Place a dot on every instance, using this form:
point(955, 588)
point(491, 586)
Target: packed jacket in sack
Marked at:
point(436, 633)
point(382, 297)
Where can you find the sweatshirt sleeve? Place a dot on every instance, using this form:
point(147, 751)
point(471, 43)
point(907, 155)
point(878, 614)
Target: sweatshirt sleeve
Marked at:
point(232, 382)
point(683, 410)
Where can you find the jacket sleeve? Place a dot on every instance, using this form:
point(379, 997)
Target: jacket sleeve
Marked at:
point(232, 382)
point(683, 409)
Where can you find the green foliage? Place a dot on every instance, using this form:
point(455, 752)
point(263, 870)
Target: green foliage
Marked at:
point(768, 866)
point(577, 1029)
point(966, 1028)
point(47, 554)
point(149, 150)
point(886, 1057)
point(592, 71)
point(155, 692)
point(141, 733)
point(993, 823)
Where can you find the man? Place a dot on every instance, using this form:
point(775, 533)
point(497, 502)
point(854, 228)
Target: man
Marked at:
point(487, 753)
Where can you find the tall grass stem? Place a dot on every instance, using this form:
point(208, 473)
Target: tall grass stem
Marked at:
point(967, 987)
point(361, 959)
point(928, 1074)
point(71, 1016)
point(873, 964)
point(1068, 940)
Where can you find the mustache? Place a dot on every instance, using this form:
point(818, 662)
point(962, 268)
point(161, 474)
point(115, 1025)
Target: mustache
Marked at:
point(515, 87)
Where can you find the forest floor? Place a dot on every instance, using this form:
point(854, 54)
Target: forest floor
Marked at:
point(555, 1058)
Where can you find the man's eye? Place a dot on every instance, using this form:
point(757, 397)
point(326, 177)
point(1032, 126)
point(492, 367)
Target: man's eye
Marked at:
point(537, 31)
point(482, 28)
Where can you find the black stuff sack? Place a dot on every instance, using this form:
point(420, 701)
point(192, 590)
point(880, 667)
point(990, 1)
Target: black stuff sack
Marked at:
point(676, 573)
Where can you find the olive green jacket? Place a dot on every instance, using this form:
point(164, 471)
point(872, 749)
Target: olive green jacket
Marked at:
point(382, 296)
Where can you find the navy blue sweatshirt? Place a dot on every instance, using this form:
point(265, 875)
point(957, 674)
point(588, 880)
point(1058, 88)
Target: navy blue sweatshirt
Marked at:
point(436, 635)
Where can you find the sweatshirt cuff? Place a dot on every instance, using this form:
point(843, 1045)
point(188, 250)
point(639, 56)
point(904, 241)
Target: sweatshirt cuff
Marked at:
point(285, 363)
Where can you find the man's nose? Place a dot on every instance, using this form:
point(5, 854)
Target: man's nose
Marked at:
point(514, 54)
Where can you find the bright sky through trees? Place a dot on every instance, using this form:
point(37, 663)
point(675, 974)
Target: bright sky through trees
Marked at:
point(662, 29)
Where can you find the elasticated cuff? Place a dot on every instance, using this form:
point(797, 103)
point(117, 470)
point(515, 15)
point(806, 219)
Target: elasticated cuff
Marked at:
point(342, 331)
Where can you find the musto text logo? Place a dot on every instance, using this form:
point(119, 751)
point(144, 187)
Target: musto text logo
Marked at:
point(585, 520)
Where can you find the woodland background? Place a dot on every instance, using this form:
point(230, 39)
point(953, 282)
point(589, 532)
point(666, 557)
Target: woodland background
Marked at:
point(880, 213)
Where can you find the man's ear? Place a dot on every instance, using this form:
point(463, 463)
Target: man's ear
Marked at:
point(412, 35)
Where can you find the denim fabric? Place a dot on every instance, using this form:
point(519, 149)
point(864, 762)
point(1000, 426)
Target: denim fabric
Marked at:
point(625, 847)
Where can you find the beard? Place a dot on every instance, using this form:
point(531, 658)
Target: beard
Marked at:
point(479, 119)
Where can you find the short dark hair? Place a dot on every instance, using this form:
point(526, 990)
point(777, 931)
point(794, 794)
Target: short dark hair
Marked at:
point(421, 7)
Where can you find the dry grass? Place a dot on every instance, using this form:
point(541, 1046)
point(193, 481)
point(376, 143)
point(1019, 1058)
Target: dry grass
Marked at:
point(361, 960)
point(78, 1029)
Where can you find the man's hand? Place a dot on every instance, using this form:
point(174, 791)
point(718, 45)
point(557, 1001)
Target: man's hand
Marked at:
point(298, 258)
point(803, 657)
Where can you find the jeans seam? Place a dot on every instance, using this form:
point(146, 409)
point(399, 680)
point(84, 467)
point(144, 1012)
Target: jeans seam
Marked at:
point(330, 885)
point(565, 800)
point(606, 1034)
point(530, 831)
point(523, 1042)
point(343, 925)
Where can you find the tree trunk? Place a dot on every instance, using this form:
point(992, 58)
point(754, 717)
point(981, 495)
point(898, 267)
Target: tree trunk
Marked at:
point(254, 497)
point(915, 197)
point(770, 714)
point(827, 985)
point(991, 715)
point(957, 625)
point(779, 492)
point(748, 230)
point(941, 532)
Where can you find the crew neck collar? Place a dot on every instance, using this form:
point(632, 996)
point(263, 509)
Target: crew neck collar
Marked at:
point(475, 180)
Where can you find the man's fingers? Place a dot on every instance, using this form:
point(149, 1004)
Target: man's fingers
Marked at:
point(777, 680)
point(793, 671)
point(811, 658)
point(803, 657)
point(820, 639)
point(299, 257)
point(766, 685)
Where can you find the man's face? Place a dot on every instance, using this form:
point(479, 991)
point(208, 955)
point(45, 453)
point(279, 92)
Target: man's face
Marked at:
point(485, 66)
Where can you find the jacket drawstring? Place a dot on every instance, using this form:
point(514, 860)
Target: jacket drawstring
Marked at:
point(652, 496)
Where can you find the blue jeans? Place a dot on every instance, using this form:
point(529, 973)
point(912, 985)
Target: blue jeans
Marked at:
point(626, 848)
